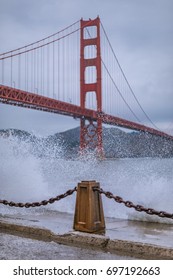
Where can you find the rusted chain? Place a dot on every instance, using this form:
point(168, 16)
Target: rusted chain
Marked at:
point(36, 204)
point(139, 208)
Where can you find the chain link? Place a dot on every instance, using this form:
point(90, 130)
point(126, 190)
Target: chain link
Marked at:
point(36, 204)
point(137, 207)
point(118, 199)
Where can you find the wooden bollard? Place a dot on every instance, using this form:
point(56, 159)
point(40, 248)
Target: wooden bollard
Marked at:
point(89, 216)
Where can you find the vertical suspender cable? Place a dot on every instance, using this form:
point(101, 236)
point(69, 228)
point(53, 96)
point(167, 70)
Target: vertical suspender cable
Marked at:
point(37, 70)
point(58, 51)
point(31, 69)
point(47, 94)
point(43, 64)
point(11, 70)
point(27, 66)
point(19, 62)
point(62, 71)
point(53, 74)
point(2, 71)
point(25, 69)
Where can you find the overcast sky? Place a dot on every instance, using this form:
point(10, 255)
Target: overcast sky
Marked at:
point(140, 31)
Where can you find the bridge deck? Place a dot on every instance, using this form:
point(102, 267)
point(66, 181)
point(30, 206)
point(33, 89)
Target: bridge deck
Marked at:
point(25, 99)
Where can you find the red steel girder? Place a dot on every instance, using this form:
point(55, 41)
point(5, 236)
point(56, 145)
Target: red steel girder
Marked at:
point(111, 120)
point(21, 98)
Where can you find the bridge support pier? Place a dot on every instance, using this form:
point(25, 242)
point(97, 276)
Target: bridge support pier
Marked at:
point(91, 137)
point(89, 216)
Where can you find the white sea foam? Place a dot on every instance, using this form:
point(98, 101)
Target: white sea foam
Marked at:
point(27, 177)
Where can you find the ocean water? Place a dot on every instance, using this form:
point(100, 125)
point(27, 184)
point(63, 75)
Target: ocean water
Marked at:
point(27, 177)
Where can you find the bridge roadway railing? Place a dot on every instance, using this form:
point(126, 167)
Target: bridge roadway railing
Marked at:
point(89, 214)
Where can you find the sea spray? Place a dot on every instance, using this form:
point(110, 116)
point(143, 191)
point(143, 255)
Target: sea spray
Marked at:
point(36, 170)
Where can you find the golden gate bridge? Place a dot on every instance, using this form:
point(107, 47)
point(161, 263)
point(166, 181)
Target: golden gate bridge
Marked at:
point(75, 72)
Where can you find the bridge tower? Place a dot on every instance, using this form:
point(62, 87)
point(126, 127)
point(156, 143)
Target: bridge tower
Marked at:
point(90, 131)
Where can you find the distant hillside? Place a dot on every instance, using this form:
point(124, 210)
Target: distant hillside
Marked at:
point(117, 143)
point(21, 134)
point(139, 144)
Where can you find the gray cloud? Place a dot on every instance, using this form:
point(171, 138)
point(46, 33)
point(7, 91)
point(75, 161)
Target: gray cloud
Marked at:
point(140, 33)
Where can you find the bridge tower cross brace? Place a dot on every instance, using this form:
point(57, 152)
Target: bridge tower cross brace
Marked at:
point(90, 131)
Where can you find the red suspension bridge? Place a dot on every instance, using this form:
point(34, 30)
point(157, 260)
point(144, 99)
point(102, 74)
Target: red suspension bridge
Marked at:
point(74, 72)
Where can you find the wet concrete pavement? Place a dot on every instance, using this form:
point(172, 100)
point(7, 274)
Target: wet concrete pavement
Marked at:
point(133, 239)
point(18, 248)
